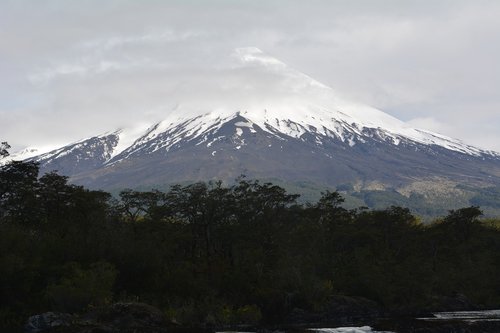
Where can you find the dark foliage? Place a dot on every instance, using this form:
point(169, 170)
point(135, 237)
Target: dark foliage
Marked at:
point(4, 146)
point(209, 254)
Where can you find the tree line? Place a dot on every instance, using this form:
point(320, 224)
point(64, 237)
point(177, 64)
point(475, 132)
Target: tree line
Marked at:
point(245, 253)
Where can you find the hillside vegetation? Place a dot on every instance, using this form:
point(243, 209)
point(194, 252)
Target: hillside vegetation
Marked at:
point(205, 253)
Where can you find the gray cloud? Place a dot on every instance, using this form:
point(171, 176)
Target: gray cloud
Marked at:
point(70, 69)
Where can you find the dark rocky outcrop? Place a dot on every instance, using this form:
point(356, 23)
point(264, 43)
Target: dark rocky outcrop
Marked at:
point(116, 318)
point(128, 317)
point(48, 321)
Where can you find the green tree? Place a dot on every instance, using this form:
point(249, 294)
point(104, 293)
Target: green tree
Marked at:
point(18, 191)
point(464, 221)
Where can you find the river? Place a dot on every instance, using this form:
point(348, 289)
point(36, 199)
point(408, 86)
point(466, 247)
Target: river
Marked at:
point(487, 321)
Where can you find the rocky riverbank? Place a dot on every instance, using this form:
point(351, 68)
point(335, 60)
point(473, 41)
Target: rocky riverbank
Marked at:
point(340, 311)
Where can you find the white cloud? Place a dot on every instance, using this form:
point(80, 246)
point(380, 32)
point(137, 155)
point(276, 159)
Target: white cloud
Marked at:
point(71, 69)
point(167, 36)
point(430, 124)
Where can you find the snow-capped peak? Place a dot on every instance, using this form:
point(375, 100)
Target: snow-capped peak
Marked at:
point(280, 100)
point(271, 96)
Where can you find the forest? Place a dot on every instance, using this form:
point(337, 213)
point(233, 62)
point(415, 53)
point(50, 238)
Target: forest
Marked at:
point(247, 253)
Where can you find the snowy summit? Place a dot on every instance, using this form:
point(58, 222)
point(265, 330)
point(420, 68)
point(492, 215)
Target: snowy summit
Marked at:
point(257, 105)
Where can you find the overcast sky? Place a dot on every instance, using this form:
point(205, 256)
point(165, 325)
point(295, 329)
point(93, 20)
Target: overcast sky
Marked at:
point(72, 69)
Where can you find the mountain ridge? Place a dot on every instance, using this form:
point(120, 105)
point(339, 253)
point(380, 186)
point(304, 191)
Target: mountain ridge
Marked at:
point(302, 130)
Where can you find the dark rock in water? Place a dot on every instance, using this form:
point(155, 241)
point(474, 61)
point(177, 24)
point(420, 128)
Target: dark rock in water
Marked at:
point(116, 318)
point(340, 310)
point(48, 321)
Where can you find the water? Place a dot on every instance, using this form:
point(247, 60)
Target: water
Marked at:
point(468, 316)
point(362, 329)
point(456, 316)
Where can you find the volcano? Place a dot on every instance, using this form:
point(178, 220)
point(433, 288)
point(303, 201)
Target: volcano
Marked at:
point(270, 121)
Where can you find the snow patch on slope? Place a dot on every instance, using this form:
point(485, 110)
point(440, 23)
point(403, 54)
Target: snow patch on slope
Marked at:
point(126, 137)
